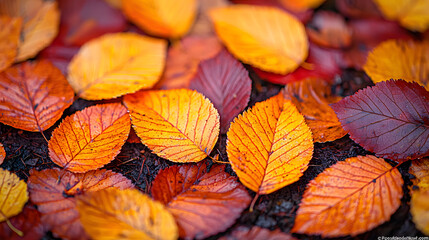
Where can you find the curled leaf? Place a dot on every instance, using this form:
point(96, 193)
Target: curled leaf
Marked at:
point(13, 194)
point(10, 28)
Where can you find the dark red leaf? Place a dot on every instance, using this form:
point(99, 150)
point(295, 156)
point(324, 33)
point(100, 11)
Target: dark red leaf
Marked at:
point(390, 119)
point(257, 233)
point(28, 222)
point(358, 8)
point(226, 83)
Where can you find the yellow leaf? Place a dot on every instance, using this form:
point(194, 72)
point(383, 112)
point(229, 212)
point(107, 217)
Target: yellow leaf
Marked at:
point(164, 18)
point(13, 195)
point(265, 37)
point(116, 64)
point(399, 59)
point(180, 125)
point(270, 145)
point(420, 210)
point(127, 214)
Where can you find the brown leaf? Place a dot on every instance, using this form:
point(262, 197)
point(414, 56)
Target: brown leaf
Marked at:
point(257, 233)
point(28, 222)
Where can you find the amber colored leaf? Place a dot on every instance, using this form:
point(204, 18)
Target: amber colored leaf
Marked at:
point(420, 169)
point(390, 119)
point(54, 192)
point(301, 5)
point(312, 98)
point(33, 95)
point(399, 59)
point(413, 15)
point(179, 125)
point(264, 37)
point(257, 233)
point(270, 145)
point(420, 210)
point(10, 29)
point(91, 138)
point(28, 222)
point(355, 195)
point(125, 214)
point(2, 153)
point(202, 202)
point(164, 18)
point(226, 83)
point(183, 59)
point(40, 25)
point(116, 64)
point(13, 194)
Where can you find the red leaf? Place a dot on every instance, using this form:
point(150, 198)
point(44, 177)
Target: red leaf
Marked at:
point(358, 8)
point(226, 83)
point(390, 119)
point(28, 222)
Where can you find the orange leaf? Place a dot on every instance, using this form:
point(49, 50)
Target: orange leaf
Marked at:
point(349, 198)
point(2, 153)
point(270, 145)
point(54, 192)
point(28, 222)
point(179, 125)
point(264, 37)
point(116, 64)
point(257, 233)
point(420, 194)
point(126, 214)
point(10, 28)
point(91, 138)
point(33, 95)
point(40, 26)
point(13, 194)
point(164, 18)
point(301, 5)
point(312, 98)
point(399, 59)
point(203, 203)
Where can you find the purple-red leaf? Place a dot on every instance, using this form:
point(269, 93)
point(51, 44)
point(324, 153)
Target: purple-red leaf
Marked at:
point(390, 119)
point(226, 83)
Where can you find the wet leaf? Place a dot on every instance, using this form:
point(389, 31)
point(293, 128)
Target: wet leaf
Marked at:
point(91, 138)
point(10, 28)
point(390, 119)
point(257, 233)
point(116, 64)
point(203, 203)
point(179, 125)
point(399, 59)
point(413, 15)
point(126, 214)
point(226, 83)
point(164, 18)
point(270, 145)
point(2, 153)
point(33, 95)
point(28, 222)
point(312, 98)
point(54, 192)
point(250, 35)
point(301, 5)
point(13, 194)
point(356, 195)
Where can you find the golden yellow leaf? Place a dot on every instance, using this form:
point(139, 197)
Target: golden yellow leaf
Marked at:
point(301, 5)
point(116, 64)
point(125, 214)
point(270, 145)
point(164, 18)
point(13, 194)
point(412, 14)
point(10, 28)
point(265, 37)
point(399, 59)
point(420, 210)
point(312, 98)
point(180, 125)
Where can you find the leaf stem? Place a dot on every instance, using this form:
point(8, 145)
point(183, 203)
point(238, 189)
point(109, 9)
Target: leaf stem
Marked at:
point(14, 229)
point(253, 202)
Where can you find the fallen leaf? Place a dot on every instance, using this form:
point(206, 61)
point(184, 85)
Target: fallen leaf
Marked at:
point(270, 145)
point(257, 233)
point(116, 64)
point(13, 194)
point(301, 5)
point(91, 138)
point(420, 210)
point(390, 119)
point(358, 9)
point(54, 192)
point(399, 59)
point(10, 29)
point(420, 169)
point(2, 153)
point(28, 222)
point(413, 15)
point(203, 25)
point(250, 34)
point(164, 18)
point(203, 203)
point(312, 98)
point(349, 198)
point(179, 125)
point(33, 95)
point(183, 59)
point(126, 214)
point(226, 83)
point(329, 29)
